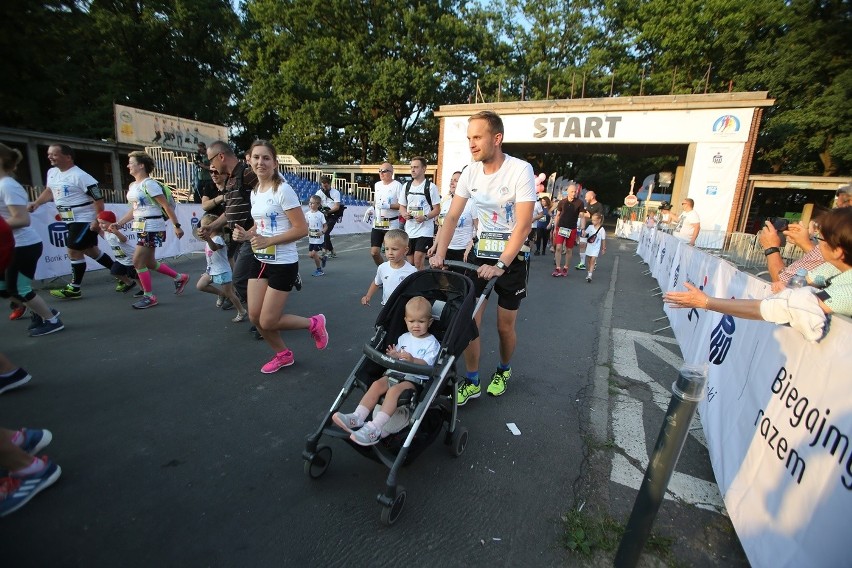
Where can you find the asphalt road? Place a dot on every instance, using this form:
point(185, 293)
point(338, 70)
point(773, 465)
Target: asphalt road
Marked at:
point(176, 450)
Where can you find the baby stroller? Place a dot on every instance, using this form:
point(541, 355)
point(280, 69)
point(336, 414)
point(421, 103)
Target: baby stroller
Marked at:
point(422, 413)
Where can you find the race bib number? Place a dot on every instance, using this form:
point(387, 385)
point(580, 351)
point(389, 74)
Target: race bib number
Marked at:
point(415, 211)
point(492, 245)
point(138, 225)
point(314, 233)
point(381, 223)
point(564, 232)
point(267, 253)
point(66, 215)
point(118, 252)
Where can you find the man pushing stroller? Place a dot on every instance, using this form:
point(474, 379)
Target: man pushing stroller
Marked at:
point(417, 346)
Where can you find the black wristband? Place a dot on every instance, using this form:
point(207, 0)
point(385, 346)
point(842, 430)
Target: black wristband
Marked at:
point(177, 225)
point(771, 250)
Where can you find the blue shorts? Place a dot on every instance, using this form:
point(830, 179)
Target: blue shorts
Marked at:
point(223, 278)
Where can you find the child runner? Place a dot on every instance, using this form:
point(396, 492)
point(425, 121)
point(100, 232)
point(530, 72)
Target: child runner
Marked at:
point(278, 223)
point(417, 346)
point(122, 251)
point(218, 267)
point(595, 243)
point(147, 206)
point(316, 234)
point(391, 273)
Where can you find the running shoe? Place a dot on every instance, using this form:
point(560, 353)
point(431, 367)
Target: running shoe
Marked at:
point(67, 293)
point(318, 272)
point(348, 422)
point(499, 381)
point(16, 492)
point(35, 440)
point(124, 288)
point(227, 305)
point(332, 254)
point(466, 391)
point(298, 283)
point(367, 435)
point(37, 320)
point(283, 359)
point(220, 301)
point(180, 283)
point(318, 331)
point(581, 266)
point(241, 316)
point(146, 302)
point(588, 278)
point(565, 271)
point(18, 312)
point(556, 273)
point(47, 327)
point(17, 378)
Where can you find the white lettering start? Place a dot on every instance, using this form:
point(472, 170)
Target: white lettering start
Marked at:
point(575, 127)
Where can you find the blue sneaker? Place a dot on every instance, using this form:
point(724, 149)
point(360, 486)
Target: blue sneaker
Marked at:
point(37, 320)
point(16, 492)
point(318, 272)
point(18, 378)
point(47, 327)
point(35, 440)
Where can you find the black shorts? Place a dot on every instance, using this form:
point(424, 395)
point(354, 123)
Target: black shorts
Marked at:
point(420, 244)
point(315, 247)
point(377, 237)
point(511, 287)
point(455, 254)
point(281, 276)
point(80, 236)
point(119, 269)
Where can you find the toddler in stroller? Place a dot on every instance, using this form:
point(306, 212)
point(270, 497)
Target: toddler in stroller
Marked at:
point(416, 346)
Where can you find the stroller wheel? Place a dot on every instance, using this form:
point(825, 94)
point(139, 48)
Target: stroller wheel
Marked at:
point(459, 441)
point(318, 464)
point(391, 513)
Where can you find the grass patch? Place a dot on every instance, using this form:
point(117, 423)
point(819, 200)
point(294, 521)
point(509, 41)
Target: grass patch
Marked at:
point(586, 534)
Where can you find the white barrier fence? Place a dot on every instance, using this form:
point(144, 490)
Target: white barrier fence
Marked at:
point(55, 263)
point(777, 414)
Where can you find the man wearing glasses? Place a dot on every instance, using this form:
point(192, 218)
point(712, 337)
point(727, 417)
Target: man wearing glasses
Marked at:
point(690, 224)
point(386, 205)
point(236, 198)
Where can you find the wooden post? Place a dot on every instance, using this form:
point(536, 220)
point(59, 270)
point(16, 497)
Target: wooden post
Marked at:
point(573, 77)
point(499, 88)
point(642, 81)
point(707, 78)
point(583, 94)
point(523, 88)
point(548, 87)
point(674, 77)
point(612, 84)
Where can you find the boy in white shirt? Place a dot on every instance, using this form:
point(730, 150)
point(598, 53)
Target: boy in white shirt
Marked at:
point(392, 272)
point(218, 268)
point(316, 234)
point(122, 251)
point(595, 243)
point(417, 346)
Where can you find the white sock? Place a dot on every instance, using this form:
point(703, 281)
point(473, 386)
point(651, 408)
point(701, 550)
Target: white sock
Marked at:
point(582, 258)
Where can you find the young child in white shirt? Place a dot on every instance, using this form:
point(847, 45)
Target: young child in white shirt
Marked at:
point(122, 252)
point(595, 243)
point(395, 270)
point(417, 346)
point(218, 268)
point(316, 234)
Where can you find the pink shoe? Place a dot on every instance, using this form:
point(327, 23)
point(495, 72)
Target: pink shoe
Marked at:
point(283, 359)
point(565, 271)
point(318, 331)
point(180, 283)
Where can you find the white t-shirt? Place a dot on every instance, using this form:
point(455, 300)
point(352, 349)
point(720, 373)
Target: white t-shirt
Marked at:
point(217, 260)
point(13, 193)
point(326, 200)
point(416, 205)
point(685, 227)
point(386, 195)
point(70, 195)
point(464, 229)
point(147, 215)
point(122, 252)
point(315, 221)
point(494, 197)
point(388, 278)
point(269, 211)
point(426, 348)
point(594, 249)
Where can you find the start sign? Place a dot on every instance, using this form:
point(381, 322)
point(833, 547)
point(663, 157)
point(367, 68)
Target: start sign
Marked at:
point(631, 200)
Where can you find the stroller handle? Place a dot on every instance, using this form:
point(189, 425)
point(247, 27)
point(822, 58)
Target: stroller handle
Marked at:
point(472, 268)
point(395, 364)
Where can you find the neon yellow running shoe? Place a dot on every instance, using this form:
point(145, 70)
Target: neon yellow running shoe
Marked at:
point(499, 381)
point(466, 391)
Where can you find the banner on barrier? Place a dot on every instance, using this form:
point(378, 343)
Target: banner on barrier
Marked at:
point(777, 414)
point(55, 262)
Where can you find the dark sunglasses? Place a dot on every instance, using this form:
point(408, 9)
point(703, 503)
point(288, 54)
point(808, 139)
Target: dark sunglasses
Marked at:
point(384, 171)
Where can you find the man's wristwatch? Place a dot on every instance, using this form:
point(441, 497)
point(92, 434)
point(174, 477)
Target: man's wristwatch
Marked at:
point(177, 225)
point(771, 250)
point(501, 265)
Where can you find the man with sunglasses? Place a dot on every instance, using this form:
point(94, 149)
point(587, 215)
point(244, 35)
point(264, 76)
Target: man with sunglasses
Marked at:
point(386, 205)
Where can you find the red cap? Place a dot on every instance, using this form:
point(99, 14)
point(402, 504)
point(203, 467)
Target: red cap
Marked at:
point(107, 216)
